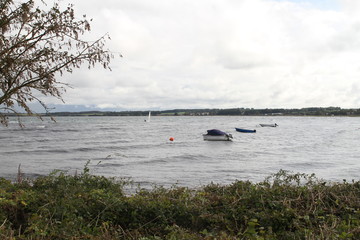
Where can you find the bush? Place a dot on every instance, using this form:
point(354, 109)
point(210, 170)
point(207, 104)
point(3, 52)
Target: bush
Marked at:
point(283, 206)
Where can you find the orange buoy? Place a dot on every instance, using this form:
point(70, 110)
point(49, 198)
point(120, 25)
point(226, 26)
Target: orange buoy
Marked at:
point(171, 139)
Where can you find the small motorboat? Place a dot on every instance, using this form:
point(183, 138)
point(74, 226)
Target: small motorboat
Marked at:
point(217, 135)
point(268, 125)
point(245, 130)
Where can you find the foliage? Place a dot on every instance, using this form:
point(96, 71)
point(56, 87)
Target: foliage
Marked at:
point(36, 43)
point(283, 206)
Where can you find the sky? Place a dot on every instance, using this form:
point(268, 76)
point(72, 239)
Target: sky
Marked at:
point(220, 54)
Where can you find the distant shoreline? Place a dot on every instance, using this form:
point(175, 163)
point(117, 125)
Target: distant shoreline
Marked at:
point(329, 111)
point(314, 111)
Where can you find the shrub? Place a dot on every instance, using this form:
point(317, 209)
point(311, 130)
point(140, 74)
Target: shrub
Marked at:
point(283, 206)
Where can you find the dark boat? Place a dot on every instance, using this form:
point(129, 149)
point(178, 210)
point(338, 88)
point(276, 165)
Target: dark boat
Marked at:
point(217, 135)
point(245, 130)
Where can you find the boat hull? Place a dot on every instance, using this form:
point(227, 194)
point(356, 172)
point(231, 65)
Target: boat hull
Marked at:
point(227, 137)
point(245, 130)
point(268, 125)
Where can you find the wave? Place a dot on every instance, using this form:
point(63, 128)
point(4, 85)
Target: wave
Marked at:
point(126, 146)
point(65, 130)
point(188, 156)
point(34, 152)
point(106, 165)
point(152, 161)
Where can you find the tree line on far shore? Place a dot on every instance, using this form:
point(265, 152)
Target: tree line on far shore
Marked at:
point(314, 111)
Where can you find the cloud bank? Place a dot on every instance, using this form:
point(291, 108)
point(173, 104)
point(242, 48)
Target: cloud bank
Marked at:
point(222, 54)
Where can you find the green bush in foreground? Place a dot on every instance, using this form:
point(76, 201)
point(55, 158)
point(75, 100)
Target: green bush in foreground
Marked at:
point(283, 206)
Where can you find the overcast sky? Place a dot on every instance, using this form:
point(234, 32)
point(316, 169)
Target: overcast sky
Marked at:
point(222, 54)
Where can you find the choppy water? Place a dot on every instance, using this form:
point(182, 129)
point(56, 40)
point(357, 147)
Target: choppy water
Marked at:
point(130, 147)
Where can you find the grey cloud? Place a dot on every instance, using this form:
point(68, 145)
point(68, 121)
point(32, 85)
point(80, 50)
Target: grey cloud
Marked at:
point(215, 53)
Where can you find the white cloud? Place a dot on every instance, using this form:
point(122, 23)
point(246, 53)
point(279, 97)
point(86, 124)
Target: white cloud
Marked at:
point(248, 53)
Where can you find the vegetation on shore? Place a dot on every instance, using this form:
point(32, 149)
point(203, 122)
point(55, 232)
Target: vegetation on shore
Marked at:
point(84, 206)
point(315, 111)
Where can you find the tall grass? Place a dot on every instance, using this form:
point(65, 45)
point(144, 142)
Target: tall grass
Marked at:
point(84, 206)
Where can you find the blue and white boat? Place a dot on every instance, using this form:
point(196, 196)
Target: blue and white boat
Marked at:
point(245, 130)
point(217, 135)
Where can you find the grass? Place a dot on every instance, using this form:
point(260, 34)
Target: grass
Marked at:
point(283, 206)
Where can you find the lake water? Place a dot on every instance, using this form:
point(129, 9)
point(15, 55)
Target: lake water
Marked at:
point(130, 147)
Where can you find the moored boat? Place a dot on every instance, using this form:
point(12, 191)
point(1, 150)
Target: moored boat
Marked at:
point(268, 125)
point(217, 135)
point(245, 130)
